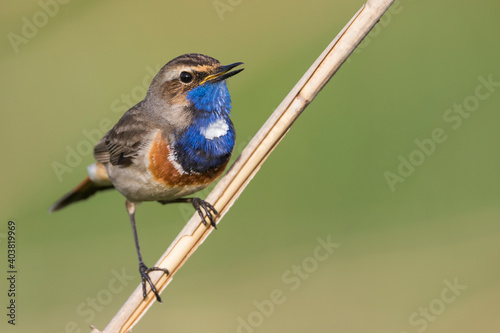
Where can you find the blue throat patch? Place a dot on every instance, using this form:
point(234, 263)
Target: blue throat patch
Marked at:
point(194, 152)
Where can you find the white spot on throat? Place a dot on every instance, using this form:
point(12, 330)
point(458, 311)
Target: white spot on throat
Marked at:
point(214, 130)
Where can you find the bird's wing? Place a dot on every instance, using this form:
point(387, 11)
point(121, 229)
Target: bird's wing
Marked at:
point(123, 142)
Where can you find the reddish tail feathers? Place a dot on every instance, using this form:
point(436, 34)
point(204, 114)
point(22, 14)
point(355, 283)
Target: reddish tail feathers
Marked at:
point(82, 191)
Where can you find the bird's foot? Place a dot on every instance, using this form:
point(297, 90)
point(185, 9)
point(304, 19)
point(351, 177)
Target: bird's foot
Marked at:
point(205, 209)
point(144, 270)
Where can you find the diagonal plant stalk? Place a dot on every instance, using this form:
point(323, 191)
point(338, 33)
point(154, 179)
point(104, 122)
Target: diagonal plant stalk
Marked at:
point(248, 163)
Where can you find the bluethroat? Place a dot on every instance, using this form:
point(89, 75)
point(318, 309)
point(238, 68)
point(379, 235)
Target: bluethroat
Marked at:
point(175, 142)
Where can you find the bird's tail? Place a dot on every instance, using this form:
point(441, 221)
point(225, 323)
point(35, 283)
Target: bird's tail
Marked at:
point(97, 180)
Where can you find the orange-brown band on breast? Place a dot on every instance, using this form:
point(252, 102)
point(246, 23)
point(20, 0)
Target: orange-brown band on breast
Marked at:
point(164, 171)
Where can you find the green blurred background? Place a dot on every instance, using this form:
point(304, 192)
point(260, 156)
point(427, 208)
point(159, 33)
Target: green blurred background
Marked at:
point(399, 250)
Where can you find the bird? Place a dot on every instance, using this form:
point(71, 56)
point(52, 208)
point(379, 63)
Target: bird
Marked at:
point(175, 142)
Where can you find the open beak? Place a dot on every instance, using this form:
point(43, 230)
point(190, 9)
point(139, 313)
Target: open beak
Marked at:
point(223, 73)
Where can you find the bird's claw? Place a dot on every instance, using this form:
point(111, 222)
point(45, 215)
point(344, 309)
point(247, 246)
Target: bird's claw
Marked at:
point(210, 211)
point(144, 270)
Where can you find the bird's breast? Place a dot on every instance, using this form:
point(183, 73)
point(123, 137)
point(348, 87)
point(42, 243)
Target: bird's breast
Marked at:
point(165, 167)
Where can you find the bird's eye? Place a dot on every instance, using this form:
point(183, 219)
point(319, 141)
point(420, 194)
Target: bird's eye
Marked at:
point(186, 77)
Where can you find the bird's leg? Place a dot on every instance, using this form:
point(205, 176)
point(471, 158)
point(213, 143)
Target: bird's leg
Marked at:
point(201, 206)
point(143, 269)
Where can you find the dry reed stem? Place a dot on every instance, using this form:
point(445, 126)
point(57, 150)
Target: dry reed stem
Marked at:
point(248, 163)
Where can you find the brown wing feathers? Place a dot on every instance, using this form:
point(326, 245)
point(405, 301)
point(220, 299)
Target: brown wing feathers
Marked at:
point(123, 142)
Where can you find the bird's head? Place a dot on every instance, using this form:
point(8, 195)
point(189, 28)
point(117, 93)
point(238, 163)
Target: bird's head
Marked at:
point(193, 83)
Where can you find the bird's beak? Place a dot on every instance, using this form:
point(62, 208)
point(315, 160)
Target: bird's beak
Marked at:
point(223, 72)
